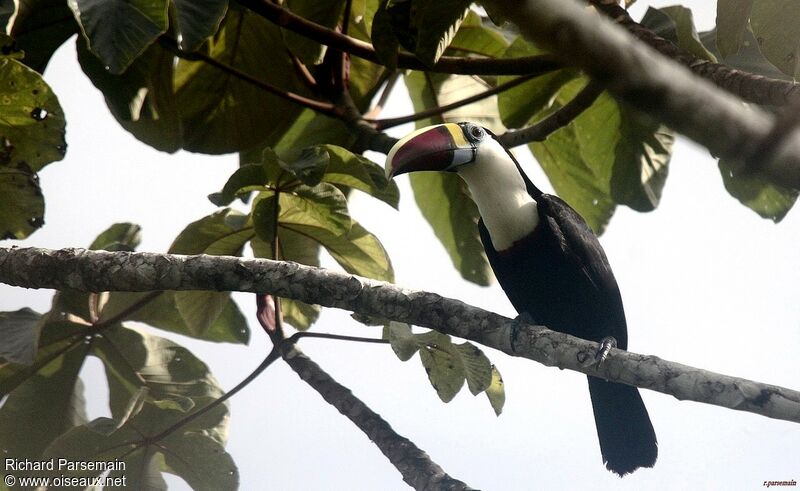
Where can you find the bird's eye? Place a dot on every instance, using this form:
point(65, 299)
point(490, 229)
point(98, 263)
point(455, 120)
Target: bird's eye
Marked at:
point(475, 133)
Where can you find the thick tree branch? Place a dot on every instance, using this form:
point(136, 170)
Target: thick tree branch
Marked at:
point(748, 86)
point(96, 271)
point(446, 64)
point(416, 467)
point(641, 77)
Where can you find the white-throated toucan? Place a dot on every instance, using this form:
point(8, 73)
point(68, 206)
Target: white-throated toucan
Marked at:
point(548, 262)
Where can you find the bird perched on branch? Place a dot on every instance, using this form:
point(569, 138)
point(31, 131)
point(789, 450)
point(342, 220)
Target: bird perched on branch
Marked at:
point(548, 262)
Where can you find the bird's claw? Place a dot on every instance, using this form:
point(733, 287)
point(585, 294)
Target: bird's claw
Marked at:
point(606, 344)
point(519, 321)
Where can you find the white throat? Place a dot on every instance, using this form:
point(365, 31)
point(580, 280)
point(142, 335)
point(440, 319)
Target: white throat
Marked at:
point(497, 187)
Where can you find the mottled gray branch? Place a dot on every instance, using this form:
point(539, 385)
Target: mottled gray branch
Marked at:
point(416, 467)
point(638, 75)
point(96, 271)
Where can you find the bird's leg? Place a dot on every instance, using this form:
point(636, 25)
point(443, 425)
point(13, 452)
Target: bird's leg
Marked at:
point(606, 344)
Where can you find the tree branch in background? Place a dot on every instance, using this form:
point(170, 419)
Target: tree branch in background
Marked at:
point(416, 467)
point(382, 124)
point(96, 271)
point(557, 120)
point(750, 87)
point(321, 107)
point(643, 78)
point(446, 64)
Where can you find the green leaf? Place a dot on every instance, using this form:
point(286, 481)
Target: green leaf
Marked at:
point(641, 159)
point(756, 192)
point(39, 28)
point(200, 309)
point(19, 334)
point(195, 457)
point(477, 368)
point(496, 392)
point(265, 217)
point(309, 166)
point(402, 340)
point(436, 23)
point(222, 113)
point(47, 399)
point(173, 379)
point(322, 206)
point(21, 201)
point(775, 27)
point(118, 31)
point(198, 20)
point(476, 37)
point(247, 178)
point(118, 237)
point(323, 13)
point(142, 98)
point(441, 362)
point(31, 119)
point(688, 38)
point(213, 235)
point(732, 19)
point(384, 38)
point(230, 326)
point(444, 200)
point(357, 250)
point(354, 171)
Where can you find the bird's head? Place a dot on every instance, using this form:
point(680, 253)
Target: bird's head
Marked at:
point(504, 195)
point(442, 147)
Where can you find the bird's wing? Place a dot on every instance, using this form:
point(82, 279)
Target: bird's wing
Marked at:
point(577, 241)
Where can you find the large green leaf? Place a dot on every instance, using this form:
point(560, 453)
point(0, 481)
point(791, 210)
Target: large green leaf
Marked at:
point(19, 334)
point(21, 202)
point(166, 376)
point(322, 206)
point(733, 17)
point(323, 13)
point(142, 98)
point(118, 31)
point(47, 399)
point(476, 37)
point(518, 104)
point(118, 237)
point(198, 20)
point(443, 198)
point(222, 113)
point(195, 457)
point(756, 192)
point(39, 28)
point(383, 36)
point(31, 120)
point(774, 23)
point(357, 251)
point(436, 24)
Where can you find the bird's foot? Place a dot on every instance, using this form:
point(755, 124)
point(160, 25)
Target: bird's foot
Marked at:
point(606, 344)
point(519, 321)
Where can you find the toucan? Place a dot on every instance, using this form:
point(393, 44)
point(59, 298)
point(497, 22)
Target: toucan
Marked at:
point(549, 263)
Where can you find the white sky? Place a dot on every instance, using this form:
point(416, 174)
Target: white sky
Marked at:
point(705, 282)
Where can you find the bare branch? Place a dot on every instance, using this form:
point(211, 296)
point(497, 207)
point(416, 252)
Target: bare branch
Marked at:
point(416, 467)
point(748, 86)
point(446, 64)
point(641, 77)
point(96, 271)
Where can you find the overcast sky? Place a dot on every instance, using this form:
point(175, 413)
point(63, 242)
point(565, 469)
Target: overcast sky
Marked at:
point(705, 282)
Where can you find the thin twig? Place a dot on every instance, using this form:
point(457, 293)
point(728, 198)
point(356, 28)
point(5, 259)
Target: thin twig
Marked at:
point(339, 337)
point(382, 124)
point(325, 108)
point(446, 64)
point(555, 121)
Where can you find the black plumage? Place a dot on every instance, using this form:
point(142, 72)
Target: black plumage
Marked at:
point(560, 276)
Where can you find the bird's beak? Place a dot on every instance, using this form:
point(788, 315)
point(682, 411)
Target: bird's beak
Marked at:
point(441, 147)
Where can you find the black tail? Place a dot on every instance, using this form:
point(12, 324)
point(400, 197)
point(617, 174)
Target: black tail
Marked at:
point(627, 439)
